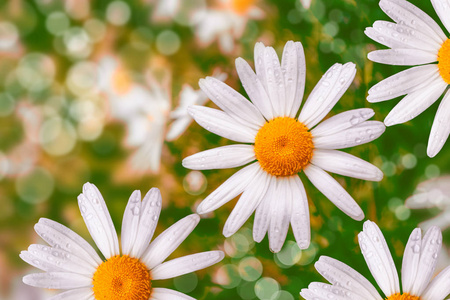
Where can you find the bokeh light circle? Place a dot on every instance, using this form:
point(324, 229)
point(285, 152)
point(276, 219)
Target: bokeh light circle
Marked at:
point(168, 42)
point(35, 187)
point(266, 288)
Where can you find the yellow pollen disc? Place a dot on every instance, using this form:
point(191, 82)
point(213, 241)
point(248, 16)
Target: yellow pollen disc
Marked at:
point(444, 61)
point(283, 146)
point(404, 296)
point(121, 81)
point(241, 6)
point(122, 277)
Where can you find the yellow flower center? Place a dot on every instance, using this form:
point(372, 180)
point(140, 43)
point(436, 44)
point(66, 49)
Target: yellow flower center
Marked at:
point(283, 146)
point(122, 277)
point(121, 81)
point(444, 61)
point(404, 296)
point(241, 6)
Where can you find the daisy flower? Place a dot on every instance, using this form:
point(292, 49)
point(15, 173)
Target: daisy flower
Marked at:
point(279, 145)
point(182, 119)
point(144, 110)
point(418, 267)
point(416, 40)
point(225, 22)
point(433, 193)
point(71, 264)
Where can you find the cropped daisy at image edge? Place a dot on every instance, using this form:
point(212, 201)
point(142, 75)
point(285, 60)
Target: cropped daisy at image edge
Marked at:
point(71, 263)
point(278, 144)
point(418, 268)
point(415, 39)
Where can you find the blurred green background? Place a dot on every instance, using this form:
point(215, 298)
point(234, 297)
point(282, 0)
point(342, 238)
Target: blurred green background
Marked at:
point(58, 130)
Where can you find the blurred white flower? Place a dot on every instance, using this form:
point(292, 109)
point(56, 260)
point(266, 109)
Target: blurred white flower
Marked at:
point(188, 96)
point(143, 109)
point(225, 22)
point(433, 193)
point(306, 3)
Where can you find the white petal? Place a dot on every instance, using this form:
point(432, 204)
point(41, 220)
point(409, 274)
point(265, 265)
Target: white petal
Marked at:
point(166, 294)
point(415, 103)
point(98, 220)
point(254, 88)
point(309, 295)
point(441, 220)
point(345, 164)
point(402, 83)
point(442, 8)
point(404, 12)
point(431, 245)
point(247, 203)
point(301, 78)
point(411, 257)
point(260, 67)
point(290, 69)
point(300, 213)
point(57, 280)
point(439, 288)
point(280, 214)
point(353, 136)
point(275, 82)
point(342, 121)
point(59, 236)
point(441, 127)
point(56, 260)
point(402, 57)
point(221, 158)
point(262, 213)
point(169, 240)
point(378, 258)
point(177, 128)
point(231, 102)
point(222, 124)
point(327, 291)
point(331, 189)
point(340, 274)
point(148, 214)
point(327, 93)
point(130, 222)
point(76, 294)
point(186, 264)
point(232, 187)
point(401, 36)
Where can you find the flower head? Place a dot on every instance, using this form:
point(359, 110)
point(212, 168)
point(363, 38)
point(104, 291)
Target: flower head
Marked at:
point(70, 263)
point(419, 263)
point(414, 39)
point(279, 142)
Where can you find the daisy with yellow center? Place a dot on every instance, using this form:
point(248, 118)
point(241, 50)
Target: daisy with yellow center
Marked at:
point(414, 39)
point(71, 264)
point(279, 144)
point(418, 269)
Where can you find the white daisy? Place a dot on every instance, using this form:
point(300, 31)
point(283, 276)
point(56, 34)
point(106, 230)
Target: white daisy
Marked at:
point(418, 267)
point(70, 263)
point(182, 119)
point(282, 144)
point(414, 39)
point(433, 193)
point(144, 110)
point(225, 22)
